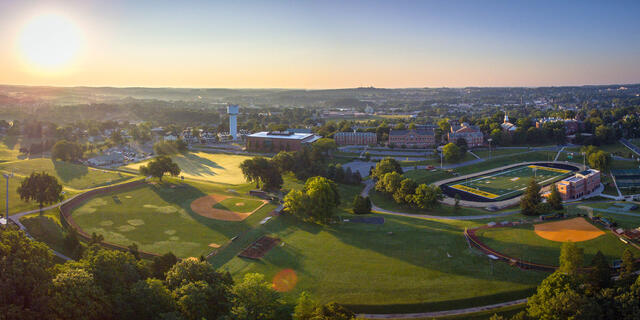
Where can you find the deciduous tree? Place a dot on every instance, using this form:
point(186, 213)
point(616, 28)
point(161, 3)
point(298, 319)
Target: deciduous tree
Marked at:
point(159, 166)
point(41, 188)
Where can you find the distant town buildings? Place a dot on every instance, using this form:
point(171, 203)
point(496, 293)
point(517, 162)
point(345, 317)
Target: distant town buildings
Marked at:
point(413, 138)
point(571, 126)
point(355, 138)
point(276, 141)
point(471, 134)
point(579, 185)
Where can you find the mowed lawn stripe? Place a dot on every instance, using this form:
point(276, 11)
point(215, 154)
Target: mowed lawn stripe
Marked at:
point(158, 218)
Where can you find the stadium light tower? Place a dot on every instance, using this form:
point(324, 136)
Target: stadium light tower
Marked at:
point(232, 110)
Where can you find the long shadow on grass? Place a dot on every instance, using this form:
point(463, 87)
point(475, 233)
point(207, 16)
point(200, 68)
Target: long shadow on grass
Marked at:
point(428, 244)
point(200, 166)
point(67, 171)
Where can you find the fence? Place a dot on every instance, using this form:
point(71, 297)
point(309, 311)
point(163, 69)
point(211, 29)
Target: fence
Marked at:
point(67, 220)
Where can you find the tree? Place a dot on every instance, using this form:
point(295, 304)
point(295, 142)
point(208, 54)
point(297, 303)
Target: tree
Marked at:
point(385, 166)
point(559, 297)
point(325, 146)
point(255, 298)
point(600, 160)
point(75, 295)
point(427, 196)
point(627, 267)
point(361, 205)
point(530, 199)
point(161, 264)
point(167, 148)
point(571, 258)
point(323, 198)
point(150, 299)
point(25, 278)
point(66, 151)
point(284, 161)
point(198, 300)
point(389, 183)
point(266, 174)
point(333, 311)
point(406, 191)
point(41, 188)
point(158, 166)
point(462, 143)
point(305, 307)
point(554, 199)
point(600, 274)
point(192, 270)
point(452, 153)
point(316, 202)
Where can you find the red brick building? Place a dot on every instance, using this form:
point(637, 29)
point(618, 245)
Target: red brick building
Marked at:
point(583, 183)
point(471, 134)
point(355, 138)
point(418, 138)
point(277, 141)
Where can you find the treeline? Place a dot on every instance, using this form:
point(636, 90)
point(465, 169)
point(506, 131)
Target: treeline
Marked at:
point(310, 161)
point(573, 292)
point(389, 181)
point(106, 284)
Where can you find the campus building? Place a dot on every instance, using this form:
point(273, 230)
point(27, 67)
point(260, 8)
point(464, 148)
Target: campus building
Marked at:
point(471, 134)
point(416, 138)
point(276, 141)
point(571, 126)
point(507, 126)
point(579, 185)
point(355, 138)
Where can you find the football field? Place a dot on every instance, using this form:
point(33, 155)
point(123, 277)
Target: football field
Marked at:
point(510, 182)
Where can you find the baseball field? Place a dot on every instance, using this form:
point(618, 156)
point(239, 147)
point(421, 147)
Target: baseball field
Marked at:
point(160, 218)
point(540, 243)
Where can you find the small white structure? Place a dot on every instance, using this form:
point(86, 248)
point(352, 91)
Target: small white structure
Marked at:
point(232, 110)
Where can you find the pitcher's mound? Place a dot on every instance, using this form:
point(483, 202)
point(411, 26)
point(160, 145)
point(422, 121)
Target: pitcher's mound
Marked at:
point(206, 207)
point(575, 230)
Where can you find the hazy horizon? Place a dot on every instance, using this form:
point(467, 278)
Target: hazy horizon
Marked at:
point(314, 46)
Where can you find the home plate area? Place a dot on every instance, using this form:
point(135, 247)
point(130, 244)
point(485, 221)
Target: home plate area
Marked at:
point(259, 248)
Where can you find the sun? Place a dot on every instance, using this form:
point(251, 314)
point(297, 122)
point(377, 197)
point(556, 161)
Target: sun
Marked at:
point(49, 42)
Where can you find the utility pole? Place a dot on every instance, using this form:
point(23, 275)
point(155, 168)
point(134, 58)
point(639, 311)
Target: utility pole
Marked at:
point(7, 176)
point(490, 140)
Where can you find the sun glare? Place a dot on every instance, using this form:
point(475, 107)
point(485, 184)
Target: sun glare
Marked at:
point(49, 42)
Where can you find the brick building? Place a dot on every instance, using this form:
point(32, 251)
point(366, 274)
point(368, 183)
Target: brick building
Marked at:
point(277, 141)
point(418, 138)
point(469, 133)
point(355, 138)
point(583, 183)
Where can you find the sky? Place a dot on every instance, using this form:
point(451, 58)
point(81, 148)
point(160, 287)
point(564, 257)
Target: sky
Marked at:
point(319, 44)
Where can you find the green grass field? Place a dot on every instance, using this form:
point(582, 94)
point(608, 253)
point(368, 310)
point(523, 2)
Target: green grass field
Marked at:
point(158, 218)
point(422, 265)
point(214, 167)
point(508, 183)
point(74, 176)
point(427, 176)
point(484, 153)
point(241, 205)
point(522, 242)
point(506, 160)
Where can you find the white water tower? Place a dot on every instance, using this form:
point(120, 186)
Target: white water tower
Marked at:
point(232, 110)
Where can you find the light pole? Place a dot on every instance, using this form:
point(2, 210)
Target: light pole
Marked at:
point(7, 176)
point(441, 155)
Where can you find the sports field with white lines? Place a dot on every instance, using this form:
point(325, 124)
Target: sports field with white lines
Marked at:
point(510, 182)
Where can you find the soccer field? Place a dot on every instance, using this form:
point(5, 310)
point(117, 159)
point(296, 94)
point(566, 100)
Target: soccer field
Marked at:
point(510, 182)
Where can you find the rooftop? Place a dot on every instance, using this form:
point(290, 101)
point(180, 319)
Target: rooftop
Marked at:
point(281, 135)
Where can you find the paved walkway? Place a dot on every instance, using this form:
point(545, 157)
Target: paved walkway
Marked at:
point(630, 146)
point(558, 154)
point(16, 219)
point(437, 314)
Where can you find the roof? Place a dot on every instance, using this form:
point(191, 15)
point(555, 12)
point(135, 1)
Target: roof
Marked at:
point(421, 132)
point(281, 135)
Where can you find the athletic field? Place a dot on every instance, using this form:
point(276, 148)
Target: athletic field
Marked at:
point(509, 183)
